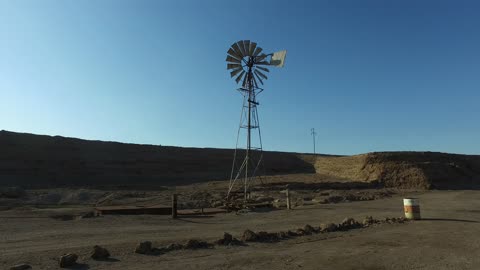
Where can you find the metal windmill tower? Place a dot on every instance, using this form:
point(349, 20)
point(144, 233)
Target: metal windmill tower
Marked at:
point(248, 65)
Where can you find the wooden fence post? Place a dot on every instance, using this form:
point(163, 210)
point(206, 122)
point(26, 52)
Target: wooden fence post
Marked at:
point(288, 199)
point(174, 205)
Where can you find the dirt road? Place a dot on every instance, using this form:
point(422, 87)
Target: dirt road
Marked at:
point(448, 238)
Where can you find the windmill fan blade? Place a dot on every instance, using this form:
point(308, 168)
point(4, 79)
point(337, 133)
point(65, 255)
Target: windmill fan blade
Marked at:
point(257, 51)
point(246, 44)
point(260, 74)
point(237, 50)
point(242, 47)
point(235, 72)
point(232, 59)
point(240, 76)
point(264, 69)
point(244, 83)
point(234, 54)
point(253, 45)
point(233, 66)
point(259, 78)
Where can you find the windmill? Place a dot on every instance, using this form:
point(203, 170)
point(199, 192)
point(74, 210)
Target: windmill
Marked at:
point(248, 65)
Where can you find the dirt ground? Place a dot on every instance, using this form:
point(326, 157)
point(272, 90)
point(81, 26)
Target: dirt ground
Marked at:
point(448, 237)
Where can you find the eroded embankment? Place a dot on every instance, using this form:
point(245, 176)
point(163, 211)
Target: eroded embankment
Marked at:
point(52, 161)
point(417, 170)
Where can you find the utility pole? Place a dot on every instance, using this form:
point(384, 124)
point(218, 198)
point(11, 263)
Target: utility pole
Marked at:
point(313, 135)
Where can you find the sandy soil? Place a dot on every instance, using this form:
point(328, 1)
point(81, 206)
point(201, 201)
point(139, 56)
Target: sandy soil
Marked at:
point(447, 238)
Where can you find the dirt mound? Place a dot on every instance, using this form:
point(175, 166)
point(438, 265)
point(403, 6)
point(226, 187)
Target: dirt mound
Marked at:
point(424, 170)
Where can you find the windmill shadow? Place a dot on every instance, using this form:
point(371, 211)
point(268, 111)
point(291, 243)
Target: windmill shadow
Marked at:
point(449, 219)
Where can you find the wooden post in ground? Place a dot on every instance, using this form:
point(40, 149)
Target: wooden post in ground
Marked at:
point(288, 199)
point(174, 205)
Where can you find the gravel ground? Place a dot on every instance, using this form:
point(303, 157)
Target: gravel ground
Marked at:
point(447, 238)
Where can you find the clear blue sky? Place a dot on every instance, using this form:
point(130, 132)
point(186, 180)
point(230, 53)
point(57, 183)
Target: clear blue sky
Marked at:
point(368, 75)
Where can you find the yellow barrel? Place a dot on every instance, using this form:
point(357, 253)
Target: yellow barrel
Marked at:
point(411, 206)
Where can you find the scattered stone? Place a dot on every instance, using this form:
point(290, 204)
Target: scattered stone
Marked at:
point(249, 236)
point(100, 253)
point(282, 235)
point(173, 246)
point(349, 223)
point(144, 247)
point(329, 227)
point(401, 220)
point(226, 240)
point(300, 232)
point(267, 237)
point(194, 244)
point(369, 221)
point(309, 229)
point(68, 260)
point(22, 266)
point(292, 233)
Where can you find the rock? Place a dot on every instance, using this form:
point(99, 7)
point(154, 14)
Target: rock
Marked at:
point(369, 221)
point(144, 247)
point(249, 236)
point(292, 233)
point(300, 232)
point(401, 220)
point(267, 237)
point(194, 244)
point(173, 246)
point(22, 266)
point(282, 235)
point(68, 260)
point(226, 240)
point(227, 237)
point(309, 229)
point(329, 227)
point(100, 253)
point(349, 223)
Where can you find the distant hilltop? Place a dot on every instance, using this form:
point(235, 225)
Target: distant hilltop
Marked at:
point(40, 161)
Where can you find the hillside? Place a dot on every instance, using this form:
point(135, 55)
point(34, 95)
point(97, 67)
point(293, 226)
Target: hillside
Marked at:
point(420, 170)
point(46, 161)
